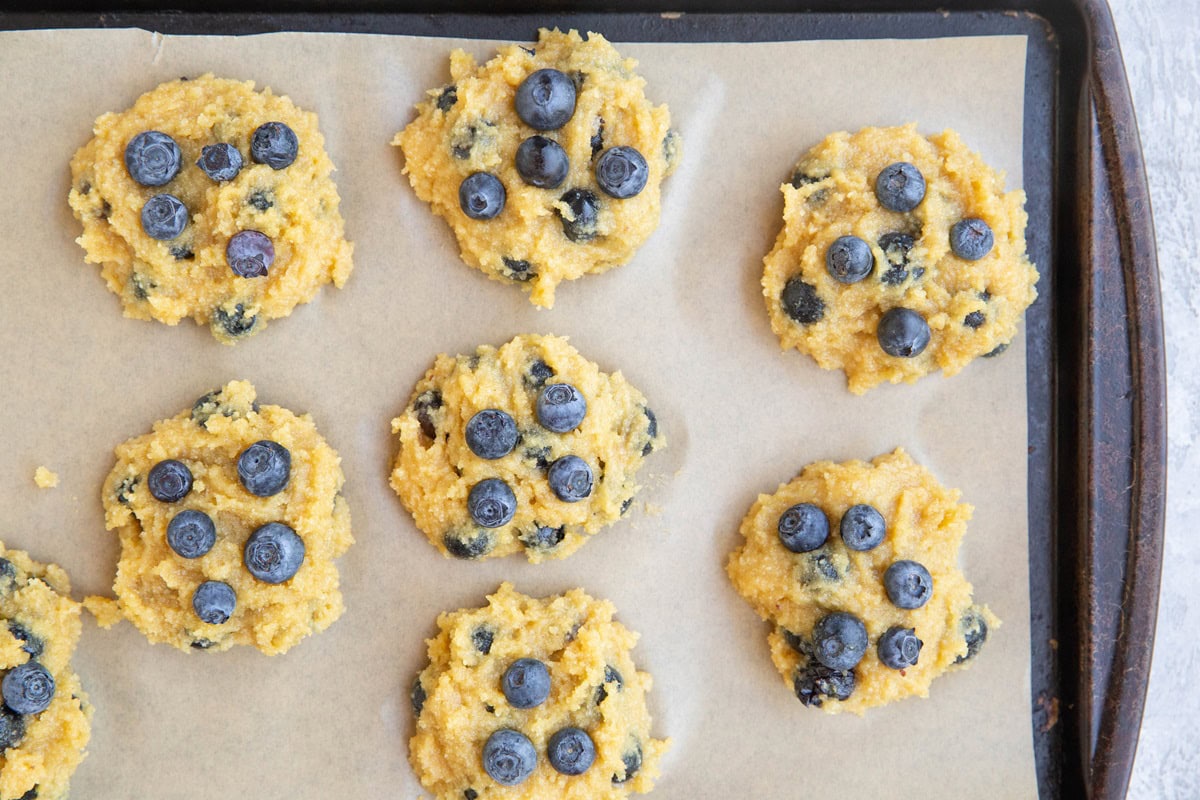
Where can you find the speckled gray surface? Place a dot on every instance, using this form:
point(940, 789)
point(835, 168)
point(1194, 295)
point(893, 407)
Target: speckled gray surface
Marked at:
point(1158, 39)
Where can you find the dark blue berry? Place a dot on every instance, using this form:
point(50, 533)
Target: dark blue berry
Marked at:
point(191, 533)
point(447, 98)
point(895, 247)
point(632, 761)
point(221, 161)
point(975, 632)
point(900, 187)
point(425, 406)
point(264, 468)
point(491, 434)
point(509, 757)
point(903, 333)
point(213, 602)
point(544, 537)
point(862, 527)
point(839, 640)
point(169, 481)
point(234, 323)
point(899, 648)
point(482, 638)
point(622, 172)
point(33, 645)
point(417, 696)
point(819, 567)
point(250, 254)
point(152, 158)
point(801, 303)
point(849, 259)
point(815, 683)
point(12, 729)
point(585, 208)
point(164, 217)
point(561, 408)
point(571, 751)
point(469, 544)
point(546, 100)
point(971, 239)
point(611, 675)
point(28, 688)
point(481, 195)
point(491, 503)
point(908, 584)
point(570, 479)
point(273, 553)
point(803, 527)
point(542, 162)
point(539, 373)
point(260, 200)
point(997, 350)
point(526, 683)
point(274, 144)
point(518, 269)
point(974, 320)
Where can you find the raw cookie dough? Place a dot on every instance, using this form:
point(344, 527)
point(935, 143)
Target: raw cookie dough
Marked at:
point(925, 523)
point(40, 750)
point(189, 275)
point(471, 125)
point(459, 702)
point(435, 469)
point(45, 478)
point(155, 585)
point(971, 307)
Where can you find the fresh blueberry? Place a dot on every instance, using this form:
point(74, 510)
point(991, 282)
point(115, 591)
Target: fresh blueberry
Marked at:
point(518, 269)
point(260, 200)
point(611, 675)
point(975, 320)
point(584, 208)
point(124, 492)
point(273, 553)
point(250, 254)
point(895, 247)
point(815, 683)
point(899, 648)
point(417, 696)
point(33, 645)
point(903, 333)
point(169, 481)
point(509, 757)
point(526, 683)
point(482, 638)
point(803, 527)
point(971, 239)
point(191, 533)
point(651, 431)
point(571, 751)
point(28, 688)
point(425, 405)
point(542, 162)
point(152, 158)
point(546, 100)
point(221, 161)
point(900, 187)
point(800, 301)
point(274, 144)
point(908, 584)
point(632, 761)
point(849, 259)
point(622, 172)
point(234, 323)
point(975, 632)
point(164, 217)
point(447, 98)
point(468, 544)
point(214, 602)
point(539, 373)
point(491, 434)
point(862, 527)
point(264, 468)
point(491, 503)
point(544, 537)
point(561, 408)
point(481, 195)
point(839, 640)
point(597, 140)
point(570, 479)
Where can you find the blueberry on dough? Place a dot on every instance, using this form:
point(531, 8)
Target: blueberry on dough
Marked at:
point(839, 640)
point(526, 683)
point(632, 762)
point(250, 254)
point(862, 527)
point(899, 647)
point(273, 553)
point(191, 533)
point(491, 434)
point(561, 407)
point(509, 757)
point(169, 481)
point(542, 162)
point(221, 161)
point(12, 729)
point(214, 601)
point(903, 333)
point(622, 172)
point(900, 187)
point(849, 259)
point(274, 144)
point(264, 468)
point(971, 239)
point(975, 632)
point(570, 479)
point(152, 158)
point(28, 688)
point(468, 544)
point(803, 527)
point(585, 209)
point(571, 751)
point(491, 503)
point(164, 216)
point(908, 584)
point(801, 302)
point(546, 100)
point(481, 196)
point(816, 682)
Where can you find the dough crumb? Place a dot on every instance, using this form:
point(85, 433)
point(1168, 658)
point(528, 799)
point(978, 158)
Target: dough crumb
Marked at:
point(45, 478)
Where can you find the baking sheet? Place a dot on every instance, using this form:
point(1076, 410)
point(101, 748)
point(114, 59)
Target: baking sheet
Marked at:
point(684, 321)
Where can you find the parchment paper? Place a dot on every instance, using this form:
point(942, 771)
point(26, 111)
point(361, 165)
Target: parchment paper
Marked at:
point(684, 321)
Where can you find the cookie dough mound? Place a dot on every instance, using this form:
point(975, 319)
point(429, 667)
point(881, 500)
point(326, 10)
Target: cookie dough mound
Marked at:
point(295, 205)
point(558, 488)
point(542, 236)
point(588, 681)
point(795, 591)
point(43, 739)
point(905, 260)
point(206, 530)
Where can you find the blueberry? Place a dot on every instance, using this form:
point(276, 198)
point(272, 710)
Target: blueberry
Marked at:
point(425, 405)
point(470, 794)
point(903, 333)
point(622, 172)
point(895, 247)
point(164, 217)
point(899, 648)
point(974, 320)
point(491, 503)
point(482, 638)
point(815, 683)
point(801, 178)
point(971, 239)
point(801, 303)
point(561, 408)
point(274, 144)
point(546, 100)
point(273, 553)
point(491, 434)
point(542, 162)
point(570, 479)
point(908, 584)
point(632, 761)
point(213, 602)
point(179, 252)
point(803, 527)
point(260, 201)
point(597, 140)
point(611, 675)
point(12, 729)
point(152, 158)
point(234, 323)
point(571, 751)
point(539, 373)
point(862, 527)
point(481, 195)
point(28, 688)
point(469, 544)
point(447, 98)
point(584, 208)
point(417, 696)
point(900, 187)
point(819, 567)
point(839, 640)
point(191, 533)
point(221, 161)
point(33, 645)
point(975, 632)
point(526, 683)
point(651, 431)
point(264, 468)
point(250, 254)
point(997, 350)
point(169, 481)
point(849, 259)
point(125, 490)
point(509, 757)
point(544, 537)
point(518, 269)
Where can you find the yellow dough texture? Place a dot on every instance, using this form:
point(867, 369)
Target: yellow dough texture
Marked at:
point(435, 470)
point(793, 591)
point(459, 702)
point(40, 750)
point(972, 308)
point(189, 276)
point(154, 586)
point(538, 240)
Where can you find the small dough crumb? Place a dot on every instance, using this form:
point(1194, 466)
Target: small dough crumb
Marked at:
point(45, 478)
